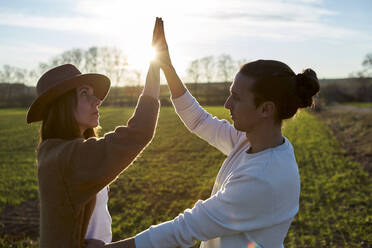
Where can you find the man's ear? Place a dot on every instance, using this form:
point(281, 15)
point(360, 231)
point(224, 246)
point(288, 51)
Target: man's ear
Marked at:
point(267, 109)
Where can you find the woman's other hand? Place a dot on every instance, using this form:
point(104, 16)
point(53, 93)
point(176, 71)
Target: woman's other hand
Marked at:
point(94, 243)
point(127, 243)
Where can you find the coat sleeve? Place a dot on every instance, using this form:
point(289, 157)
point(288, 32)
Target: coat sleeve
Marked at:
point(219, 133)
point(94, 163)
point(239, 207)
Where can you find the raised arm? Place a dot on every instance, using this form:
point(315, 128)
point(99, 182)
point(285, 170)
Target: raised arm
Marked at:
point(218, 133)
point(152, 86)
point(94, 163)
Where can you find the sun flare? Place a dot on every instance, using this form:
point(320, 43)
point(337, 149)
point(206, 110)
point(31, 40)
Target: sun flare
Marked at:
point(140, 57)
point(130, 27)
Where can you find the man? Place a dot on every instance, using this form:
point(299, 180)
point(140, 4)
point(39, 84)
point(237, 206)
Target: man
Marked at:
point(256, 193)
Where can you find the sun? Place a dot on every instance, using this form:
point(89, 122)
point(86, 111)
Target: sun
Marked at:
point(140, 57)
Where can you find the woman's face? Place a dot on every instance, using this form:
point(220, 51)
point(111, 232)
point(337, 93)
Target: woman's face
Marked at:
point(86, 113)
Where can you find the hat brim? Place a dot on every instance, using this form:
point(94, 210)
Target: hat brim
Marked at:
point(100, 84)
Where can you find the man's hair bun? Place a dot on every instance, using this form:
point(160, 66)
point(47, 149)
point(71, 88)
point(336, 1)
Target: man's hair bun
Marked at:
point(307, 85)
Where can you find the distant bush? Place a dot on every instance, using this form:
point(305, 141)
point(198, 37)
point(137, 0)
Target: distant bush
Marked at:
point(346, 90)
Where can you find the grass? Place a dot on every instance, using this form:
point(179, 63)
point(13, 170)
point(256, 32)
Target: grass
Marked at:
point(336, 192)
point(359, 104)
point(18, 172)
point(178, 168)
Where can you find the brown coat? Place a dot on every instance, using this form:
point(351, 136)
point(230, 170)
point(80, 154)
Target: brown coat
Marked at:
point(72, 172)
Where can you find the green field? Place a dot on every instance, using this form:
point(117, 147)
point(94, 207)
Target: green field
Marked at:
point(360, 104)
point(178, 168)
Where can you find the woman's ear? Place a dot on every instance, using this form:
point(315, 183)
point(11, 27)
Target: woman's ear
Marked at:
point(268, 109)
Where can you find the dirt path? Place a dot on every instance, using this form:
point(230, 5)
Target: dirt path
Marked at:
point(347, 108)
point(20, 221)
point(353, 128)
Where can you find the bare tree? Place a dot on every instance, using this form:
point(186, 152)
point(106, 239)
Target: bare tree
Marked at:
point(367, 64)
point(107, 60)
point(137, 77)
point(12, 74)
point(226, 67)
point(2, 77)
point(367, 68)
point(74, 56)
point(113, 63)
point(32, 77)
point(194, 73)
point(43, 67)
point(15, 77)
point(207, 64)
point(91, 60)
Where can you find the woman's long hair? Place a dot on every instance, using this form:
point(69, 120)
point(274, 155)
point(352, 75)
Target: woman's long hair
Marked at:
point(59, 120)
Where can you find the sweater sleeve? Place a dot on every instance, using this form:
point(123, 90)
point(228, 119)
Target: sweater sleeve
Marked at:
point(239, 207)
point(219, 133)
point(94, 163)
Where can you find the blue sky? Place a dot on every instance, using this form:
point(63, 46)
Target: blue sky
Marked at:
point(332, 37)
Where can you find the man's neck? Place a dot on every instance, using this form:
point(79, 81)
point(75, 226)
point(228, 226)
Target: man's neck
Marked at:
point(264, 138)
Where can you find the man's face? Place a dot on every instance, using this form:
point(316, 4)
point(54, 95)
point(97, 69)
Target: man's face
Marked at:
point(241, 104)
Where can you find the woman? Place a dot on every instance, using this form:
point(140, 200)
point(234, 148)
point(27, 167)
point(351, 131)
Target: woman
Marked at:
point(73, 164)
point(256, 193)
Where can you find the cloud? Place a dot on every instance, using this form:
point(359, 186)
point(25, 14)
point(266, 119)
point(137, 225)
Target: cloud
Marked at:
point(279, 20)
point(26, 55)
point(194, 27)
point(292, 20)
point(52, 23)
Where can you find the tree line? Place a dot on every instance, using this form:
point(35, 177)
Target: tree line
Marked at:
point(214, 72)
point(16, 84)
point(113, 62)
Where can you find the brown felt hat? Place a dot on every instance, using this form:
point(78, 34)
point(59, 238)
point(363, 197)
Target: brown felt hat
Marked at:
point(58, 81)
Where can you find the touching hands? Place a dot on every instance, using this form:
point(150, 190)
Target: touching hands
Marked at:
point(160, 45)
point(94, 243)
point(175, 84)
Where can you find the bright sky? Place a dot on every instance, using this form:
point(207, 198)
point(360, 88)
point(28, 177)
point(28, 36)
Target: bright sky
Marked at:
point(330, 36)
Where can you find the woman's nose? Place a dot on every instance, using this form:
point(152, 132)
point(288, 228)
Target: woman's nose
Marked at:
point(99, 102)
point(96, 101)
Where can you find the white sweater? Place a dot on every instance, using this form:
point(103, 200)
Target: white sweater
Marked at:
point(254, 199)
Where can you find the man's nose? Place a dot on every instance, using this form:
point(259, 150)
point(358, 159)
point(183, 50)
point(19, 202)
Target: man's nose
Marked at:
point(227, 103)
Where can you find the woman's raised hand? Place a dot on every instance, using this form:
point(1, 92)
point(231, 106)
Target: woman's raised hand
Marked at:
point(160, 44)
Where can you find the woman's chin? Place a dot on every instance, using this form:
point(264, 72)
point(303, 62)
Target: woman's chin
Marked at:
point(94, 124)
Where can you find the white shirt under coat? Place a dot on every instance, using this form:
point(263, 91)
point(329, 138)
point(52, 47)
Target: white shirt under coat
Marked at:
point(254, 199)
point(99, 226)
